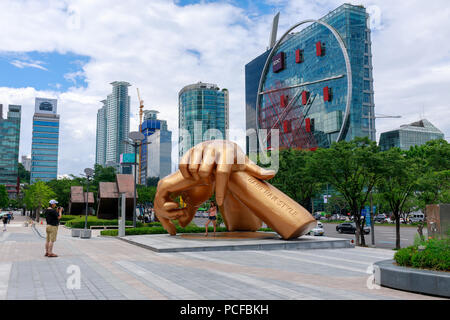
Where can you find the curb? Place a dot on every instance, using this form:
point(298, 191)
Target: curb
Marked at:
point(388, 274)
point(33, 226)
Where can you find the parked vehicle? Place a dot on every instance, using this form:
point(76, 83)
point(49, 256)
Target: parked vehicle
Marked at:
point(318, 230)
point(380, 218)
point(350, 227)
point(416, 217)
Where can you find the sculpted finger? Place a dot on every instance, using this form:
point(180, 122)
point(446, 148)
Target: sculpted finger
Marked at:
point(167, 225)
point(184, 165)
point(187, 217)
point(222, 175)
point(195, 160)
point(258, 172)
point(208, 163)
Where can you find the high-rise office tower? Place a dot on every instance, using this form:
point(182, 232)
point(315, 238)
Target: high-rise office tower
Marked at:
point(9, 148)
point(45, 143)
point(304, 88)
point(156, 156)
point(113, 126)
point(203, 114)
point(100, 153)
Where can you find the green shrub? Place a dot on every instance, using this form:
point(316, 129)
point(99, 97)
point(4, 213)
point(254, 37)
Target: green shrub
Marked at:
point(68, 217)
point(94, 221)
point(158, 229)
point(435, 255)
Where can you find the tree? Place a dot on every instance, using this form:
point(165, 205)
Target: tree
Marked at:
point(353, 169)
point(433, 159)
point(24, 174)
point(4, 199)
point(336, 201)
point(295, 176)
point(398, 184)
point(37, 196)
point(145, 194)
point(62, 188)
point(103, 174)
point(152, 181)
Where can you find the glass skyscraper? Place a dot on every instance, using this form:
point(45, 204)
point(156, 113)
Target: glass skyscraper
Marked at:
point(156, 156)
point(311, 62)
point(9, 148)
point(416, 133)
point(113, 126)
point(203, 115)
point(45, 141)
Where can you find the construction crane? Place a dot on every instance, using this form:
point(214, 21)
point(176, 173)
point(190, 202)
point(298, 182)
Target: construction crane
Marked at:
point(141, 112)
point(379, 115)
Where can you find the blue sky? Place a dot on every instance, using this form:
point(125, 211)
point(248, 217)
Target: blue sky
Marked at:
point(42, 70)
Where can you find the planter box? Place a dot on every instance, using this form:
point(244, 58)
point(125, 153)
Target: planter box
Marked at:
point(76, 232)
point(85, 234)
point(388, 274)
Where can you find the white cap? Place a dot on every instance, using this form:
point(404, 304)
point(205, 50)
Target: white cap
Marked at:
point(53, 202)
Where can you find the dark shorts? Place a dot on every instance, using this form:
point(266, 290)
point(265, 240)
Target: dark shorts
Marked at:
point(212, 218)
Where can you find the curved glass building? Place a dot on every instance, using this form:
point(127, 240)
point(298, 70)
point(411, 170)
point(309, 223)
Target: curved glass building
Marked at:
point(304, 89)
point(203, 115)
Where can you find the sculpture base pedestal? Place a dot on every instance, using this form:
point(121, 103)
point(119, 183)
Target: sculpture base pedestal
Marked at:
point(238, 235)
point(232, 241)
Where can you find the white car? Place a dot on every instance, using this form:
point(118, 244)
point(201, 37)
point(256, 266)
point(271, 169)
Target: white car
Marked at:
point(318, 230)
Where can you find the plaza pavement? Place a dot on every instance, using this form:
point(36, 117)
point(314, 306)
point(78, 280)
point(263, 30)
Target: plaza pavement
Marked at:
point(113, 269)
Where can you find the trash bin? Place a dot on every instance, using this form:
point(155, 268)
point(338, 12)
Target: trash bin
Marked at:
point(76, 232)
point(85, 234)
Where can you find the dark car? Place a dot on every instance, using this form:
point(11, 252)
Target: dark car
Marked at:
point(350, 227)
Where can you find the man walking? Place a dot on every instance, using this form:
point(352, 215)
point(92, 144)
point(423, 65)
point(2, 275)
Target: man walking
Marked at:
point(52, 216)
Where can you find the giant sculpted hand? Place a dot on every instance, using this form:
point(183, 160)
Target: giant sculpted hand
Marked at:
point(244, 198)
point(204, 169)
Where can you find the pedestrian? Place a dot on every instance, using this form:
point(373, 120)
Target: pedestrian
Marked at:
point(4, 219)
point(10, 215)
point(212, 217)
point(52, 216)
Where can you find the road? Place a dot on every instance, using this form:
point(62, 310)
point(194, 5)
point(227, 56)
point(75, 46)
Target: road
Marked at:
point(384, 235)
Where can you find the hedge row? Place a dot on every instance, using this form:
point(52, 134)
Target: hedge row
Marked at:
point(435, 255)
point(161, 230)
point(94, 221)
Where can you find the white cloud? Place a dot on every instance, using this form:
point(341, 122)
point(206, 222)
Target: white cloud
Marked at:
point(146, 42)
point(24, 64)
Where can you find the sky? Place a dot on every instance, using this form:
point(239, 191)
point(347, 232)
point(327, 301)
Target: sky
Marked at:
point(73, 50)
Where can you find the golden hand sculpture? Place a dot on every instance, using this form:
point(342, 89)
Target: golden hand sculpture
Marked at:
point(244, 198)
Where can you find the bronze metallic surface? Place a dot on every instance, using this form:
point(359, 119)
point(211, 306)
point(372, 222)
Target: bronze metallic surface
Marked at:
point(245, 200)
point(220, 236)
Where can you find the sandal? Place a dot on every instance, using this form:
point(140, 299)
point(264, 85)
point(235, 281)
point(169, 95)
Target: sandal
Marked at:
point(52, 255)
point(46, 254)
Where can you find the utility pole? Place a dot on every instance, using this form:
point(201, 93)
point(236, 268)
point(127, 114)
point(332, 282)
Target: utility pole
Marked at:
point(372, 227)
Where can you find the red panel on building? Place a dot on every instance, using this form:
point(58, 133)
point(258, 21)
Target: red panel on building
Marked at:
point(308, 124)
point(326, 94)
point(318, 48)
point(283, 101)
point(305, 96)
point(286, 126)
point(298, 56)
point(313, 149)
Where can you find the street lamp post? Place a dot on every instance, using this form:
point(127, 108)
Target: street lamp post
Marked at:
point(137, 138)
point(89, 173)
